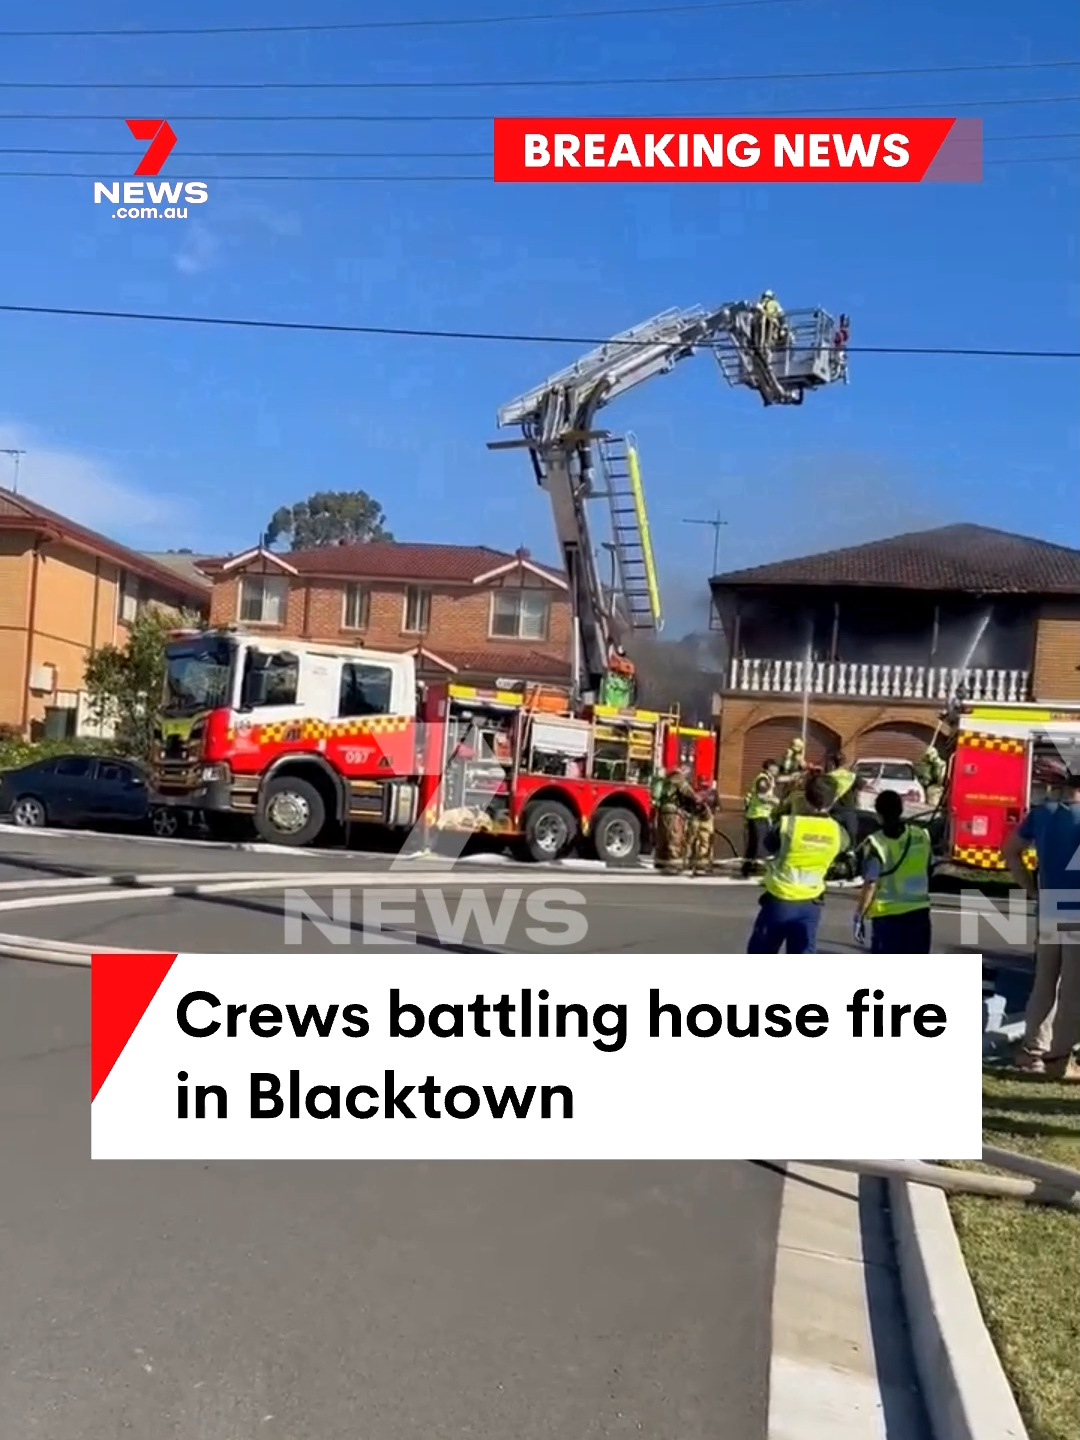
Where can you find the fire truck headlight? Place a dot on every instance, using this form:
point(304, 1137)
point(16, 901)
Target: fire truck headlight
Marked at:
point(210, 773)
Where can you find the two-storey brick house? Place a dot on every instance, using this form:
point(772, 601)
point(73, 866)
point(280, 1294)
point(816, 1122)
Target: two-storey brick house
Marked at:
point(66, 590)
point(469, 614)
point(869, 640)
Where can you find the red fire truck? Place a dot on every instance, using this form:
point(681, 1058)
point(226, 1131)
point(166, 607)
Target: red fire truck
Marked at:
point(298, 737)
point(1003, 759)
point(294, 735)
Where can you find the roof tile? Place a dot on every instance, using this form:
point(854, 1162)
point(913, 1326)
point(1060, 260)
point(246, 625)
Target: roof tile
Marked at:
point(393, 560)
point(972, 559)
point(20, 511)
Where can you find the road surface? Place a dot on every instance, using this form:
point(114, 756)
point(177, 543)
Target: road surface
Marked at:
point(337, 1301)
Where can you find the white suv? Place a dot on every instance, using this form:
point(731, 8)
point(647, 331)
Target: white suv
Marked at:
point(876, 775)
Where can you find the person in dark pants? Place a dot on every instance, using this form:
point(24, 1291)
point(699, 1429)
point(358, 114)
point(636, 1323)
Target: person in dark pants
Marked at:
point(896, 883)
point(760, 811)
point(803, 848)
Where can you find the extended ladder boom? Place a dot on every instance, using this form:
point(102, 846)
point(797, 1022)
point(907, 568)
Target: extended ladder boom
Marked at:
point(779, 360)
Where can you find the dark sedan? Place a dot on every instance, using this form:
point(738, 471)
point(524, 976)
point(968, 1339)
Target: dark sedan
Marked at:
point(82, 790)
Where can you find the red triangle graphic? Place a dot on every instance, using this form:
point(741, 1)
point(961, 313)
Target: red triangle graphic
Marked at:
point(121, 988)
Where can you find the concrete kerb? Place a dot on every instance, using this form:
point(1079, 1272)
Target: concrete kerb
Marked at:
point(963, 1383)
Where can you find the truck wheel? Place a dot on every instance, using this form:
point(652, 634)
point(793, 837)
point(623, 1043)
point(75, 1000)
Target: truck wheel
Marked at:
point(616, 836)
point(291, 812)
point(550, 829)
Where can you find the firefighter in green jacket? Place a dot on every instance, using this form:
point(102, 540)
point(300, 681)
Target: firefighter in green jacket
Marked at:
point(794, 761)
point(759, 810)
point(678, 802)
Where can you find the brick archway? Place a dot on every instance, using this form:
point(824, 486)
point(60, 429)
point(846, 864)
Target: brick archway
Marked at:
point(768, 739)
point(893, 739)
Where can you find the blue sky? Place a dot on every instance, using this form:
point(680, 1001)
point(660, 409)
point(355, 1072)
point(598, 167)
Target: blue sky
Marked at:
point(171, 436)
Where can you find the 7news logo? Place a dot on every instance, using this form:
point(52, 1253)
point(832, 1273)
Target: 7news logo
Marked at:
point(130, 196)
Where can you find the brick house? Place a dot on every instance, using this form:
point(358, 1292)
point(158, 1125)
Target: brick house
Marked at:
point(467, 613)
point(871, 639)
point(64, 591)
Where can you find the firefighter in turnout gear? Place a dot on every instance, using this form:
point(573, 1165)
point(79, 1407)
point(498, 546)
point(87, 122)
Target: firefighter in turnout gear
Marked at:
point(759, 809)
point(771, 321)
point(678, 802)
point(803, 849)
point(701, 833)
point(930, 773)
point(896, 883)
point(794, 761)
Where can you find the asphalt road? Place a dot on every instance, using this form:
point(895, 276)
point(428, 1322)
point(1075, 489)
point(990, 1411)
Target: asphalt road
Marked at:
point(383, 1301)
point(330, 1302)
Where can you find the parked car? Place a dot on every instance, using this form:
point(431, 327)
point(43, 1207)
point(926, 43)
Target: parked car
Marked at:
point(878, 774)
point(84, 790)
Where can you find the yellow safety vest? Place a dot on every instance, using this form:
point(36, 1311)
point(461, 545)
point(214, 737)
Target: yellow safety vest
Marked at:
point(808, 846)
point(756, 807)
point(842, 781)
point(905, 872)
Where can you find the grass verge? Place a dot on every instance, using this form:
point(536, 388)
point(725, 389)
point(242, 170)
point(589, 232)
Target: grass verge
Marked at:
point(1024, 1259)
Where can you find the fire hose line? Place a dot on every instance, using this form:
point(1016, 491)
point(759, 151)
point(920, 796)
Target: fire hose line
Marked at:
point(1054, 1185)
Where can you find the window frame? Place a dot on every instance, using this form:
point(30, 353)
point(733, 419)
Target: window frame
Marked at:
point(362, 591)
point(354, 665)
point(518, 599)
point(266, 582)
point(128, 598)
point(423, 594)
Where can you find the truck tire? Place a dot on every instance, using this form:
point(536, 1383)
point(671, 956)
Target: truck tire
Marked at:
point(291, 812)
point(616, 836)
point(550, 830)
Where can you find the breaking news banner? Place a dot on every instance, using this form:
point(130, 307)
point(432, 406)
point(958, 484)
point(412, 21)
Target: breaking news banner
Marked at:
point(738, 150)
point(643, 1057)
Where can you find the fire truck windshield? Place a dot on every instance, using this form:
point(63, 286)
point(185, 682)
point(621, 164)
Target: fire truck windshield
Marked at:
point(198, 675)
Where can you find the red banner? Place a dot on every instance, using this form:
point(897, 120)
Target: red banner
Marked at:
point(566, 151)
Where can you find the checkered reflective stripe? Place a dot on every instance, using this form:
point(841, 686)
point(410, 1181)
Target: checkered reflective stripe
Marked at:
point(985, 857)
point(279, 731)
point(1005, 744)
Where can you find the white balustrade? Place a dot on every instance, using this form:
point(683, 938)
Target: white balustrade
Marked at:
point(928, 683)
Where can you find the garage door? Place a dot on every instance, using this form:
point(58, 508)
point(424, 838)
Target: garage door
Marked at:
point(897, 741)
point(770, 738)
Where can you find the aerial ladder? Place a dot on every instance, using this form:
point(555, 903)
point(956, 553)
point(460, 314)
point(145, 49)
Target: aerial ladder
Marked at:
point(577, 463)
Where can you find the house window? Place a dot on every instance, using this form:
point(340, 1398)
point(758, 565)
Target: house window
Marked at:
point(520, 615)
point(417, 618)
point(365, 690)
point(263, 599)
point(128, 598)
point(357, 607)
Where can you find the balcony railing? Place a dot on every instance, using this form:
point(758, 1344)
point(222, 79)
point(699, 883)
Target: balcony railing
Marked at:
point(927, 683)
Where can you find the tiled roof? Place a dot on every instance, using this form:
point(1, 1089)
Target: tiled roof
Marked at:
point(528, 664)
point(389, 560)
point(181, 563)
point(18, 512)
point(966, 558)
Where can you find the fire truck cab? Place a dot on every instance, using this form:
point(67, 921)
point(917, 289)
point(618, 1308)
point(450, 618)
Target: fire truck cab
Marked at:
point(1004, 759)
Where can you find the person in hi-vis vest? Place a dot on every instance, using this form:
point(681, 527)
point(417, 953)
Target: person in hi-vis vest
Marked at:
point(802, 848)
point(759, 810)
point(896, 883)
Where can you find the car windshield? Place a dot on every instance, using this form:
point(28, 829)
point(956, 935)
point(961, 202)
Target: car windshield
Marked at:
point(198, 675)
point(897, 772)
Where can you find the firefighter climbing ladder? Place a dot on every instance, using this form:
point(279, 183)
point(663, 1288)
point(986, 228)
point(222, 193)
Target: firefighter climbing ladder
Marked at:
point(557, 421)
point(637, 588)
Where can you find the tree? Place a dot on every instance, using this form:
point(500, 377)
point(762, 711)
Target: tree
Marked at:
point(125, 684)
point(329, 517)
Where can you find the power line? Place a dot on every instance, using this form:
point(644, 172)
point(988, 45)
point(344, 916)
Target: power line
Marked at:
point(550, 83)
point(568, 16)
point(935, 108)
point(491, 336)
point(413, 179)
point(397, 154)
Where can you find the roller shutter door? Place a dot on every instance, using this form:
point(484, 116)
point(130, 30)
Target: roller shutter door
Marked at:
point(898, 741)
point(768, 740)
